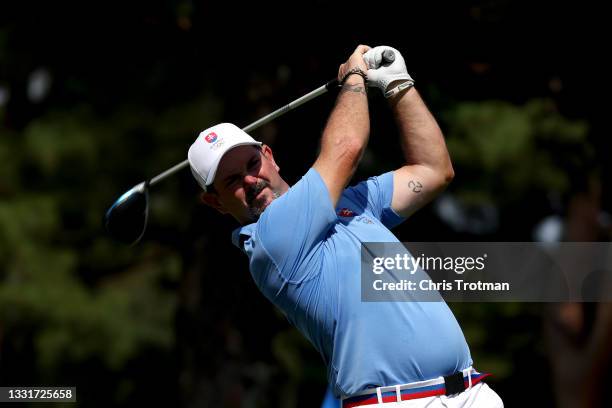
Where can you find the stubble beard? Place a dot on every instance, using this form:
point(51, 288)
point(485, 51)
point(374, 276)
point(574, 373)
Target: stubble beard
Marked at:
point(254, 211)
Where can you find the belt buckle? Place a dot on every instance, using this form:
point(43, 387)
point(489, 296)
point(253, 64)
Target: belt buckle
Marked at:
point(453, 384)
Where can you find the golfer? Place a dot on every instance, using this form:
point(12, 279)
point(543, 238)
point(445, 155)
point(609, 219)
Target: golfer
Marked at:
point(304, 241)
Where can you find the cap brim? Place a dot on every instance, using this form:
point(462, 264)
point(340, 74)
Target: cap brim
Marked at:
point(213, 170)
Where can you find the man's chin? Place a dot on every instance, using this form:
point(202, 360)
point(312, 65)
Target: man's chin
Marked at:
point(256, 209)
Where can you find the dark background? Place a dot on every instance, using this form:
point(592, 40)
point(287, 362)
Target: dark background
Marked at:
point(97, 96)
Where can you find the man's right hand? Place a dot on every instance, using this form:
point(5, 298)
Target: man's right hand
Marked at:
point(354, 61)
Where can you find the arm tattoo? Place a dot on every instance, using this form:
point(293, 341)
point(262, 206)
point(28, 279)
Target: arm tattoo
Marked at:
point(358, 88)
point(415, 186)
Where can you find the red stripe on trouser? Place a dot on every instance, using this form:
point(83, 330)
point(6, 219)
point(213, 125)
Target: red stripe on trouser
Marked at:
point(411, 395)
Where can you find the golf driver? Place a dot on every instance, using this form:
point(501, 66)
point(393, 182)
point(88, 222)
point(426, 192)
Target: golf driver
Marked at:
point(126, 219)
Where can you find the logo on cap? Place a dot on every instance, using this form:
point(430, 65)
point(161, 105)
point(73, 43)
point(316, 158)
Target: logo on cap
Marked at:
point(211, 137)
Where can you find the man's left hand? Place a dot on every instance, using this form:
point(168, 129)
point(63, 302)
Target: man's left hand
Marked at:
point(385, 75)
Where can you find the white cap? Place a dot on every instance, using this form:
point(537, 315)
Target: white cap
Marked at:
point(210, 147)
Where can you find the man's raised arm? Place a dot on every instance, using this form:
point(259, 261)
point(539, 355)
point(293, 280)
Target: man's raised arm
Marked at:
point(428, 169)
point(346, 133)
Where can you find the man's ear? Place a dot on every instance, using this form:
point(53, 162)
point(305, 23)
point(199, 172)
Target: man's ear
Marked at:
point(212, 200)
point(267, 151)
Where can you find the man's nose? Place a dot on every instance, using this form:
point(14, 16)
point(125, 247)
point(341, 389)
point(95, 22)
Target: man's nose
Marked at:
point(249, 180)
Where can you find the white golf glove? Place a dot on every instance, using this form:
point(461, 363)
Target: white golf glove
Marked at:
point(381, 73)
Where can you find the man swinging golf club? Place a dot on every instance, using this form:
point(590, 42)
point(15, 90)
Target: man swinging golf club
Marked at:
point(304, 243)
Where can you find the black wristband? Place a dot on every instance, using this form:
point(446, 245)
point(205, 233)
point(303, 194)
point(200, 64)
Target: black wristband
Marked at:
point(352, 71)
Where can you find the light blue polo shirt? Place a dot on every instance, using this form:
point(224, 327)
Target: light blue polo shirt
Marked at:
point(305, 256)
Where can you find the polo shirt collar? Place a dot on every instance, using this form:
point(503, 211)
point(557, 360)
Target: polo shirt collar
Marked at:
point(241, 234)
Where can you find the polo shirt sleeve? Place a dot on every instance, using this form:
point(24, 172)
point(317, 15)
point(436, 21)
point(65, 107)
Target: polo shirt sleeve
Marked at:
point(375, 195)
point(294, 227)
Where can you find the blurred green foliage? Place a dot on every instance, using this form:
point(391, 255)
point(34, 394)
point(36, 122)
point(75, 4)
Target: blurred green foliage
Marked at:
point(508, 150)
point(66, 291)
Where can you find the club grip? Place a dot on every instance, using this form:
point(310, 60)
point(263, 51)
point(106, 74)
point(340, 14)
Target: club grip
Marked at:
point(388, 56)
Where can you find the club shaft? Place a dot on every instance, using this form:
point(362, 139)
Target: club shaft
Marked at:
point(290, 106)
point(259, 122)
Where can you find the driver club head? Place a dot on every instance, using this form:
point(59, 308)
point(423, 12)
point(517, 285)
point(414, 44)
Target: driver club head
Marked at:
point(126, 219)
